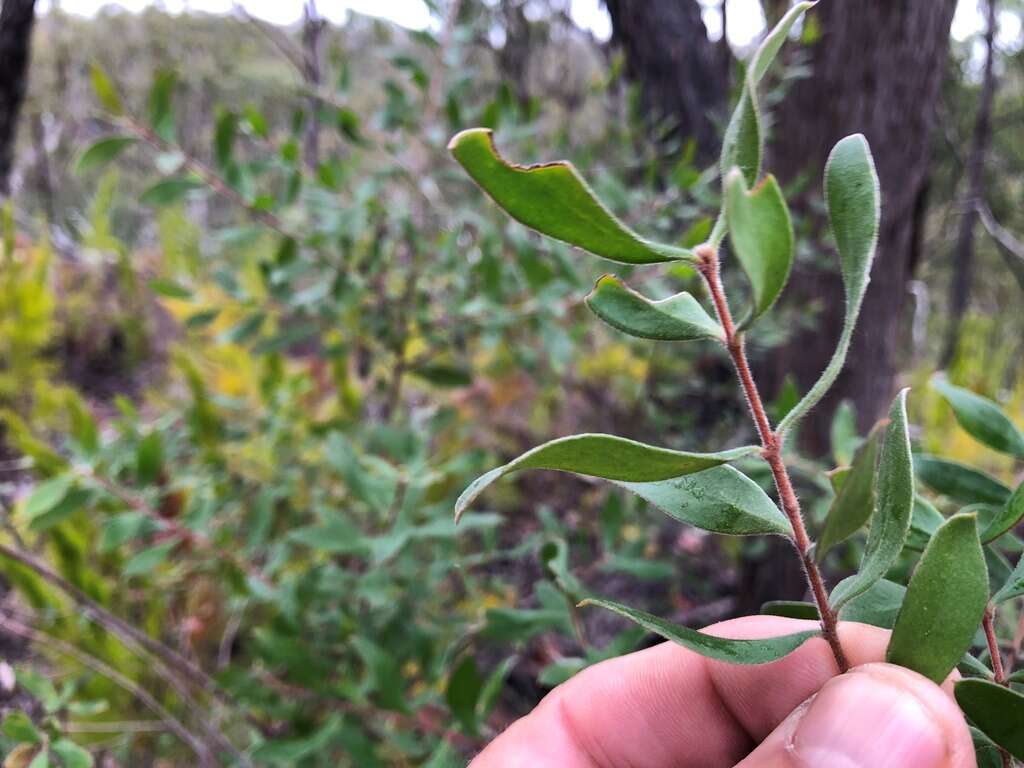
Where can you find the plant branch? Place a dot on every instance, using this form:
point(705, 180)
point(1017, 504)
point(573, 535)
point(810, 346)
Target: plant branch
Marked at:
point(771, 445)
point(989, 625)
point(99, 667)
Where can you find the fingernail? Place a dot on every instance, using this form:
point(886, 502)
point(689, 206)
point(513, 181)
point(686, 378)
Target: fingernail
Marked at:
point(859, 721)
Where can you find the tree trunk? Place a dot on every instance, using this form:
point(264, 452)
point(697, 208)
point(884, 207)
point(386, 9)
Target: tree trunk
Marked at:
point(876, 69)
point(16, 19)
point(678, 69)
point(963, 255)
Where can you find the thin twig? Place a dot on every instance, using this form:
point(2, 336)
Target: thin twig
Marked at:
point(101, 668)
point(772, 451)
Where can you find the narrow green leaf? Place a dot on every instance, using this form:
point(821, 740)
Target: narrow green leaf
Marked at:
point(945, 602)
point(996, 710)
point(149, 458)
point(971, 667)
point(877, 606)
point(791, 609)
point(959, 482)
point(843, 435)
point(553, 199)
point(169, 288)
point(894, 494)
point(986, 753)
point(855, 500)
point(74, 500)
point(773, 41)
point(1006, 518)
point(102, 152)
point(761, 234)
point(1013, 587)
point(982, 419)
point(106, 93)
point(677, 318)
point(160, 112)
point(721, 499)
point(148, 559)
point(854, 211)
point(721, 649)
point(463, 692)
point(605, 456)
point(168, 191)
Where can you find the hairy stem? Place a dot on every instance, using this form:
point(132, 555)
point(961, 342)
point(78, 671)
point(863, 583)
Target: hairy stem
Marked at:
point(989, 625)
point(771, 445)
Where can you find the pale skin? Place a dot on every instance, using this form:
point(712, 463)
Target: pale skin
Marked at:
point(667, 707)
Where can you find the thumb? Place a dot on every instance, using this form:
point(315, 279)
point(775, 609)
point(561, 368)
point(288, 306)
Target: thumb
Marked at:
point(875, 716)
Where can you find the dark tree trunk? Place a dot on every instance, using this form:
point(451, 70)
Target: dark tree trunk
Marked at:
point(679, 70)
point(514, 55)
point(16, 19)
point(876, 69)
point(963, 255)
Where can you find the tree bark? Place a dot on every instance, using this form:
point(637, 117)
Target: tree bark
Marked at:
point(16, 20)
point(678, 69)
point(876, 69)
point(963, 255)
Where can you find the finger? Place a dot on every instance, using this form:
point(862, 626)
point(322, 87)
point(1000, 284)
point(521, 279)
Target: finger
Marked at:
point(876, 716)
point(667, 706)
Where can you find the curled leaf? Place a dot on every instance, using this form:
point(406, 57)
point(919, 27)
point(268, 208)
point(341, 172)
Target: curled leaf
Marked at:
point(553, 199)
point(761, 234)
point(855, 499)
point(719, 648)
point(677, 318)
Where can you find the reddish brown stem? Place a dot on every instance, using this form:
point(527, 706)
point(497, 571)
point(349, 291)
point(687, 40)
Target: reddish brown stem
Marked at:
point(771, 445)
point(989, 625)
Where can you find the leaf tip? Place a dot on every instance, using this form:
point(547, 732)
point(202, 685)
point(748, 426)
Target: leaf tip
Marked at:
point(469, 133)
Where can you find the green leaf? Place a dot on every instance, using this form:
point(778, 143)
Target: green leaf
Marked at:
point(1007, 518)
point(444, 374)
point(41, 760)
point(761, 234)
point(945, 602)
point(894, 494)
point(719, 648)
point(73, 501)
point(959, 482)
point(169, 288)
point(843, 433)
point(148, 559)
point(102, 152)
point(986, 753)
point(106, 93)
point(877, 606)
point(791, 609)
point(168, 191)
point(160, 110)
point(72, 755)
point(722, 500)
point(605, 456)
point(924, 522)
point(149, 458)
point(463, 692)
point(996, 710)
point(982, 419)
point(18, 727)
point(224, 138)
point(1014, 586)
point(855, 500)
point(47, 495)
point(677, 318)
point(971, 667)
point(553, 199)
point(854, 211)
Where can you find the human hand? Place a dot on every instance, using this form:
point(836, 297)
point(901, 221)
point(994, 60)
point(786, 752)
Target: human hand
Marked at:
point(667, 707)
